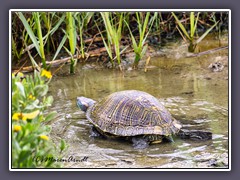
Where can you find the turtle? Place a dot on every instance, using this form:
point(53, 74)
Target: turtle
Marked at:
point(135, 116)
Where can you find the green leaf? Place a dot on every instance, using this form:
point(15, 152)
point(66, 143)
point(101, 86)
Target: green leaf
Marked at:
point(50, 116)
point(33, 61)
point(107, 46)
point(71, 31)
point(21, 89)
point(144, 27)
point(16, 145)
point(48, 101)
point(192, 18)
point(33, 105)
point(47, 129)
point(181, 26)
point(135, 47)
point(36, 16)
point(62, 145)
point(56, 27)
point(196, 21)
point(41, 90)
point(60, 46)
point(69, 52)
point(23, 155)
point(52, 31)
point(30, 31)
point(206, 33)
point(143, 51)
point(29, 140)
point(15, 101)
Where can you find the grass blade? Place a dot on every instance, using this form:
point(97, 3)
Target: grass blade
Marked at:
point(192, 18)
point(71, 31)
point(206, 33)
point(107, 46)
point(196, 21)
point(60, 46)
point(40, 37)
point(181, 26)
point(29, 30)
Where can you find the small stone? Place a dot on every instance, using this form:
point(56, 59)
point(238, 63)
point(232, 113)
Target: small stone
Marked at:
point(216, 67)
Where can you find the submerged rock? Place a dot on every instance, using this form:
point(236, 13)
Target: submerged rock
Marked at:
point(216, 67)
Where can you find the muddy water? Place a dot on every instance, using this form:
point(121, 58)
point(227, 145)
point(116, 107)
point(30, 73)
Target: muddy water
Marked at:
point(193, 94)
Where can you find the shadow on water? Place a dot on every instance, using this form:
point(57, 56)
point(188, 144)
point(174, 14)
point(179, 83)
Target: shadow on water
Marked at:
point(192, 93)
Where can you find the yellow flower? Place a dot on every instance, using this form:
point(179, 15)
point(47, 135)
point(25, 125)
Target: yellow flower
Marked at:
point(24, 118)
point(31, 97)
point(46, 73)
point(44, 137)
point(20, 75)
point(17, 128)
point(17, 116)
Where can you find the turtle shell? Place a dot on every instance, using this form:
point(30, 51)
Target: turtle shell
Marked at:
point(131, 113)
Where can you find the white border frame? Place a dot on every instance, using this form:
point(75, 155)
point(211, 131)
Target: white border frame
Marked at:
point(124, 10)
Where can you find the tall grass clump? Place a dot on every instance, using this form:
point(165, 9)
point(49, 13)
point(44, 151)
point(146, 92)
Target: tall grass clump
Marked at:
point(83, 19)
point(113, 27)
point(51, 22)
point(191, 36)
point(39, 28)
point(31, 144)
point(139, 46)
point(34, 31)
point(15, 51)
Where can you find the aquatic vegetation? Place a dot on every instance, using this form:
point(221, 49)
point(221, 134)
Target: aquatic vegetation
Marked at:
point(140, 47)
point(33, 29)
point(72, 38)
point(80, 35)
point(193, 26)
point(114, 34)
point(83, 19)
point(36, 39)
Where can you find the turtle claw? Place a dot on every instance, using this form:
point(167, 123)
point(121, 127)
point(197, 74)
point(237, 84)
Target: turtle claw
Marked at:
point(139, 143)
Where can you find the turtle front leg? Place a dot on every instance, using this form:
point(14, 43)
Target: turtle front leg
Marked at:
point(94, 133)
point(140, 142)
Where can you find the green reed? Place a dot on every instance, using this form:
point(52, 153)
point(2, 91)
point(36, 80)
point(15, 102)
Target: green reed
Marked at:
point(83, 19)
point(38, 38)
point(193, 27)
point(72, 39)
point(49, 32)
point(114, 34)
point(140, 47)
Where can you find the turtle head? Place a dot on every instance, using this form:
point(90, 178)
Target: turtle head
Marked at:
point(84, 103)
